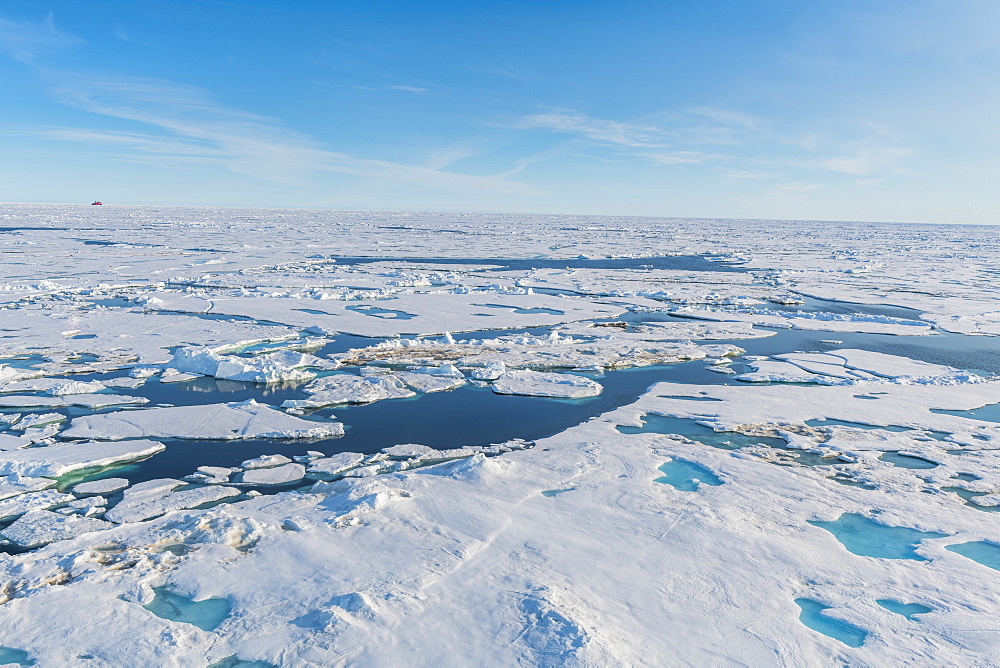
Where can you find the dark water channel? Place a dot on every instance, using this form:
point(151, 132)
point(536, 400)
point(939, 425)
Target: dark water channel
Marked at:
point(681, 262)
point(476, 416)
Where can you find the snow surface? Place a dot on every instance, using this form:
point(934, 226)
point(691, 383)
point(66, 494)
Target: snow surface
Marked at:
point(565, 551)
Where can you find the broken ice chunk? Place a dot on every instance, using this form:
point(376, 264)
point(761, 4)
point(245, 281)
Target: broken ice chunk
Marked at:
point(157, 497)
point(336, 464)
point(343, 389)
point(278, 475)
point(88, 400)
point(18, 505)
point(41, 527)
point(263, 462)
point(423, 382)
point(409, 450)
point(491, 371)
point(102, 486)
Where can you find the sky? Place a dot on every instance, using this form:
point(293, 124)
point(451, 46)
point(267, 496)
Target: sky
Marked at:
point(820, 110)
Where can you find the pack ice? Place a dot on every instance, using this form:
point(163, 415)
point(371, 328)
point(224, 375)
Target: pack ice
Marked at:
point(827, 499)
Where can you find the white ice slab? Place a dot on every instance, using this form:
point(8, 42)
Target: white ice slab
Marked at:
point(87, 400)
point(542, 384)
point(345, 388)
point(41, 527)
point(335, 464)
point(143, 504)
point(246, 419)
point(57, 460)
point(18, 505)
point(101, 486)
point(423, 382)
point(277, 475)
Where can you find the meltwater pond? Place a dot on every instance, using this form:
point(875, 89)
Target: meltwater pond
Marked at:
point(811, 614)
point(686, 476)
point(982, 552)
point(206, 615)
point(908, 610)
point(868, 538)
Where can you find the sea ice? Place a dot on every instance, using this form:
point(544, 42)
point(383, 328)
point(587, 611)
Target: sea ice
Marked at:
point(336, 463)
point(18, 505)
point(542, 384)
point(57, 460)
point(423, 382)
point(269, 368)
point(157, 497)
point(236, 420)
point(101, 486)
point(278, 475)
point(41, 527)
point(344, 388)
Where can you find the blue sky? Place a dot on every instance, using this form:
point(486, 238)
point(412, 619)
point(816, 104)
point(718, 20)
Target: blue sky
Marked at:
point(838, 110)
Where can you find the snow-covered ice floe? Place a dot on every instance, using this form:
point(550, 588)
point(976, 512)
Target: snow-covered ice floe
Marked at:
point(58, 460)
point(541, 384)
point(247, 419)
point(850, 367)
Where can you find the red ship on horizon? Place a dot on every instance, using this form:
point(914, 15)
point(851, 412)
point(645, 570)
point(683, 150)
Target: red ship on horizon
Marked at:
point(96, 203)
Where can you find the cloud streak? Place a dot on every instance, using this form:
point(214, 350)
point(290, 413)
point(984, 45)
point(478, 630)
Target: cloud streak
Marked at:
point(27, 42)
point(599, 130)
point(199, 128)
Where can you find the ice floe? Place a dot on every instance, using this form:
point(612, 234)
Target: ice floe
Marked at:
point(237, 420)
point(349, 389)
point(157, 497)
point(57, 460)
point(542, 384)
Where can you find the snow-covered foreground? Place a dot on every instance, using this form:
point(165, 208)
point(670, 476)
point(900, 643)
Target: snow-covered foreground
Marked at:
point(817, 499)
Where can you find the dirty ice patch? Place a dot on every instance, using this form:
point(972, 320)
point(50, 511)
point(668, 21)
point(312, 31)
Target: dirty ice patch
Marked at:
point(283, 366)
point(543, 384)
point(348, 389)
point(228, 421)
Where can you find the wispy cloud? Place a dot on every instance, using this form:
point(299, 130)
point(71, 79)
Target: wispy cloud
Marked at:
point(865, 158)
point(596, 129)
point(124, 36)
point(680, 157)
point(250, 144)
point(194, 127)
point(412, 89)
point(27, 41)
